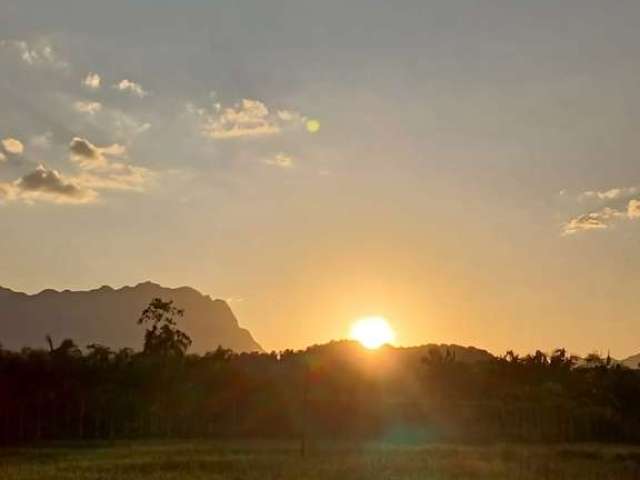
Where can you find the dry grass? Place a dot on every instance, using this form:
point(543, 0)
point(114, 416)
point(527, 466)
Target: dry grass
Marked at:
point(280, 460)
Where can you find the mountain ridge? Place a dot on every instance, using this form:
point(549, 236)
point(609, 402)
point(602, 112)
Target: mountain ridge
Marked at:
point(632, 361)
point(108, 315)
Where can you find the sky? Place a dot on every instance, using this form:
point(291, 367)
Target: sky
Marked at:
point(466, 168)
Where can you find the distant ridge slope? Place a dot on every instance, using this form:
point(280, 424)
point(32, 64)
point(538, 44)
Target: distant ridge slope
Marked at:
point(108, 316)
point(632, 361)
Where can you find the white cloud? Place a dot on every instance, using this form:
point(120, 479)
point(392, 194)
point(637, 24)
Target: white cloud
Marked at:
point(246, 119)
point(13, 146)
point(39, 53)
point(281, 160)
point(92, 81)
point(90, 108)
point(131, 87)
point(3, 157)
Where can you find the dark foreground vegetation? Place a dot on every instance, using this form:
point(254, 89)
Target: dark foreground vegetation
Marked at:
point(271, 460)
point(337, 391)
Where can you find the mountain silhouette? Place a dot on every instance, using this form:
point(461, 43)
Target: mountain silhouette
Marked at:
point(632, 361)
point(108, 316)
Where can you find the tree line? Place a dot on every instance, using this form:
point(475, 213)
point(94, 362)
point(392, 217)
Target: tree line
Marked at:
point(337, 390)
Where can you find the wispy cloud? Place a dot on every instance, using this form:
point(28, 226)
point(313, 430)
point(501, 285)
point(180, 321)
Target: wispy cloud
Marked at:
point(246, 119)
point(122, 125)
point(40, 53)
point(100, 170)
point(92, 81)
point(131, 87)
point(618, 204)
point(127, 127)
point(602, 219)
point(598, 220)
point(42, 141)
point(281, 160)
point(90, 108)
point(611, 194)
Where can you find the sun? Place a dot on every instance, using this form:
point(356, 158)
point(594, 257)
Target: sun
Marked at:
point(372, 332)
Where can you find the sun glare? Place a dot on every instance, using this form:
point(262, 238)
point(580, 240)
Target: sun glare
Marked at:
point(372, 332)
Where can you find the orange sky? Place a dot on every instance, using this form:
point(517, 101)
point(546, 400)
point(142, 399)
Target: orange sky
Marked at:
point(474, 178)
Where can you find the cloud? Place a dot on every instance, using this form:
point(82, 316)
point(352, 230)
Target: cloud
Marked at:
point(42, 141)
point(119, 177)
point(235, 299)
point(121, 125)
point(97, 171)
point(281, 160)
point(6, 191)
point(611, 194)
point(246, 119)
point(131, 87)
point(100, 171)
point(48, 181)
point(92, 81)
point(39, 54)
point(618, 205)
point(3, 157)
point(600, 220)
point(90, 108)
point(633, 209)
point(12, 146)
point(127, 127)
point(43, 184)
point(90, 157)
point(83, 148)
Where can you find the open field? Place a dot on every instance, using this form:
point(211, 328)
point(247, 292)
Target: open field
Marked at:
point(280, 460)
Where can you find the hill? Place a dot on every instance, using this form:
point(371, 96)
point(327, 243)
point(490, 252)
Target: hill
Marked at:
point(108, 316)
point(632, 361)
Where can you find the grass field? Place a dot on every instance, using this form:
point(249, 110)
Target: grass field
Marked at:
point(273, 460)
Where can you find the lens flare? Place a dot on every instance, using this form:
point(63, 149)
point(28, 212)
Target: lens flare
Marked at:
point(313, 126)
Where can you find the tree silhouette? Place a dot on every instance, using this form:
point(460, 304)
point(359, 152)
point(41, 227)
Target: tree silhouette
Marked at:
point(163, 338)
point(61, 392)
